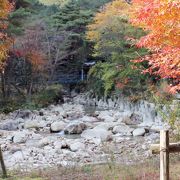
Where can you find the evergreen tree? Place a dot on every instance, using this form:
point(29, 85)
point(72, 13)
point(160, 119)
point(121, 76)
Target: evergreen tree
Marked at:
point(72, 21)
point(23, 9)
point(72, 18)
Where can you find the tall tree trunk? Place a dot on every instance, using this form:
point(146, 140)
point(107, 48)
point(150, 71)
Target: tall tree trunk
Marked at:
point(3, 86)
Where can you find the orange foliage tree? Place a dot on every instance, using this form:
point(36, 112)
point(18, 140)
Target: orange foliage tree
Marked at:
point(5, 9)
point(161, 19)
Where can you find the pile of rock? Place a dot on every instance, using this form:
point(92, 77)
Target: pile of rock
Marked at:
point(66, 135)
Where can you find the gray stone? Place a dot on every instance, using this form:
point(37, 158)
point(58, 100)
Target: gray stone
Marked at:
point(45, 141)
point(134, 119)
point(20, 137)
point(9, 125)
point(75, 128)
point(24, 114)
point(139, 132)
point(34, 124)
point(57, 126)
point(106, 116)
point(98, 133)
point(77, 146)
point(123, 130)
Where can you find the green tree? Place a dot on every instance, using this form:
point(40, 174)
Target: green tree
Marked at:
point(72, 21)
point(22, 10)
point(114, 38)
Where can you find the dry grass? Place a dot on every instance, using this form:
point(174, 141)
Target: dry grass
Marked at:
point(110, 171)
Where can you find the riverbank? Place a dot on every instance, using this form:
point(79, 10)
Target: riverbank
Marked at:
point(72, 134)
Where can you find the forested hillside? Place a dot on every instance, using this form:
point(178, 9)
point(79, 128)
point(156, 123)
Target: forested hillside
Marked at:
point(108, 48)
point(48, 48)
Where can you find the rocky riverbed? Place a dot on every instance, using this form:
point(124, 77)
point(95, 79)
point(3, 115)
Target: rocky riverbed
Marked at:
point(70, 134)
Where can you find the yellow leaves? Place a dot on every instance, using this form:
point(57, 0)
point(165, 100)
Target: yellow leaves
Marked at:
point(106, 15)
point(5, 8)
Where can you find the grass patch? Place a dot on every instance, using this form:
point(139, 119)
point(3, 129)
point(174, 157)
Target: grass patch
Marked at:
point(146, 171)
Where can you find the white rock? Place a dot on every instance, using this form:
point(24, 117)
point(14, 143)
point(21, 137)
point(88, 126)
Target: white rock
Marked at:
point(20, 137)
point(77, 146)
point(88, 119)
point(57, 126)
point(99, 133)
point(75, 128)
point(123, 130)
point(46, 141)
point(9, 125)
point(139, 132)
point(34, 124)
point(18, 156)
point(106, 116)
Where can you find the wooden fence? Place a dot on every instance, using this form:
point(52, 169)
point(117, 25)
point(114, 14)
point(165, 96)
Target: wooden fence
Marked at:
point(164, 148)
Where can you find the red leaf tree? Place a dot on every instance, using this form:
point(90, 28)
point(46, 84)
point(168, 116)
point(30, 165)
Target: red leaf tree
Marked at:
point(161, 20)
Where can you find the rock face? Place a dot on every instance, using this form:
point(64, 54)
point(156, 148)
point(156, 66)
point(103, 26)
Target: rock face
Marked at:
point(142, 108)
point(75, 128)
point(58, 126)
point(139, 132)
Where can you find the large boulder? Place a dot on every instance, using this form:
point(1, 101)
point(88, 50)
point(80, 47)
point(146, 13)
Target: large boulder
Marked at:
point(57, 126)
point(24, 114)
point(75, 128)
point(34, 124)
point(139, 132)
point(106, 125)
point(98, 133)
point(10, 125)
point(20, 137)
point(123, 130)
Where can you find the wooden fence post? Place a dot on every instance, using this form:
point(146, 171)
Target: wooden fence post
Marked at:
point(164, 148)
point(2, 164)
point(164, 155)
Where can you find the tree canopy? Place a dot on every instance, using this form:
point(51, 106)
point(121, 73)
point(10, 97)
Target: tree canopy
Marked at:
point(161, 19)
point(5, 9)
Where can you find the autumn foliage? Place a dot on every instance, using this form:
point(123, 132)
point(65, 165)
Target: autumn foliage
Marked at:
point(105, 16)
point(161, 19)
point(5, 8)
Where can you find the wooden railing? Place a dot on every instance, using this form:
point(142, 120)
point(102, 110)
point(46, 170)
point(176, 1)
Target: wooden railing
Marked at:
point(164, 148)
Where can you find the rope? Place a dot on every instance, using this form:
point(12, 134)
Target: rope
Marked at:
point(164, 149)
